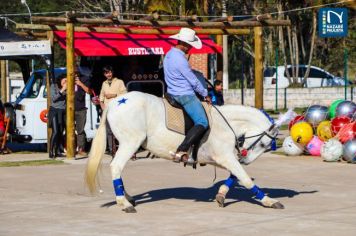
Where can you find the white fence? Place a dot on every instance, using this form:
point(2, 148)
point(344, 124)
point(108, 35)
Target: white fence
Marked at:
point(291, 97)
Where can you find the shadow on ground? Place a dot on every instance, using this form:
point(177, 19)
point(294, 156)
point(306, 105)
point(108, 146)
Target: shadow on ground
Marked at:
point(236, 194)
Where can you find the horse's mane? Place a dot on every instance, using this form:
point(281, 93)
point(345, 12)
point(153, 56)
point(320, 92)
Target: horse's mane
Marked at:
point(238, 113)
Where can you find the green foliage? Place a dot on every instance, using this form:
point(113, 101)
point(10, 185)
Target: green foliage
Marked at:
point(30, 163)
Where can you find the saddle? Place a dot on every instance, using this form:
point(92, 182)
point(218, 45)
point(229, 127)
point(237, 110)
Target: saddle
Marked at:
point(177, 120)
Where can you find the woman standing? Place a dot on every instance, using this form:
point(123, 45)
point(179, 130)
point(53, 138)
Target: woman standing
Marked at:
point(56, 115)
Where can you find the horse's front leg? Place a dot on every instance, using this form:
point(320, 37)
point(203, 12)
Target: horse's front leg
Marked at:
point(239, 173)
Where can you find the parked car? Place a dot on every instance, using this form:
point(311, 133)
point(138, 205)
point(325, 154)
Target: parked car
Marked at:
point(317, 77)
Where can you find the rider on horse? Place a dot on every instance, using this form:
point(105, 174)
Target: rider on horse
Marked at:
point(182, 85)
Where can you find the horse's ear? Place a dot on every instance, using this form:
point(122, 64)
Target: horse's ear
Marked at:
point(286, 117)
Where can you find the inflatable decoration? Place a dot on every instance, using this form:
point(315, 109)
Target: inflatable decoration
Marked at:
point(296, 119)
point(331, 150)
point(291, 148)
point(314, 146)
point(347, 132)
point(338, 122)
point(301, 132)
point(332, 109)
point(349, 151)
point(316, 114)
point(324, 130)
point(346, 108)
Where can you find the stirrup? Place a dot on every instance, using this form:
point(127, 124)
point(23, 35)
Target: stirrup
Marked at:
point(179, 156)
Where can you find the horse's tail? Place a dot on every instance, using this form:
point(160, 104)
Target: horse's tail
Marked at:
point(96, 153)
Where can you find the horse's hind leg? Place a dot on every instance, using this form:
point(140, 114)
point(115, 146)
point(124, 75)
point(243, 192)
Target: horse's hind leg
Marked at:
point(122, 156)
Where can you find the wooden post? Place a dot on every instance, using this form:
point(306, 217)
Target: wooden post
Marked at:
point(219, 59)
point(3, 80)
point(258, 68)
point(70, 90)
point(50, 37)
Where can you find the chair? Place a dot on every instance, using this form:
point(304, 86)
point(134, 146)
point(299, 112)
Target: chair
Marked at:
point(3, 138)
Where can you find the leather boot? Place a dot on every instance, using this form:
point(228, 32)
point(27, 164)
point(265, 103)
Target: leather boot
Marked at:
point(52, 151)
point(193, 136)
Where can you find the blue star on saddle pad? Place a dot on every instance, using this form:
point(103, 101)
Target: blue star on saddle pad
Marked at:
point(122, 101)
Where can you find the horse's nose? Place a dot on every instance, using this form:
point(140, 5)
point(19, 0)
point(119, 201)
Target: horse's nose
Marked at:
point(242, 161)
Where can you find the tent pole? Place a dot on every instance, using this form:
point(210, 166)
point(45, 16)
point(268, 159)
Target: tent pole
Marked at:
point(49, 80)
point(258, 68)
point(70, 91)
point(3, 80)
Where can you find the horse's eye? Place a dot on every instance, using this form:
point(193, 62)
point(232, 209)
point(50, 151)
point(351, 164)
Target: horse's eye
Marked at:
point(263, 145)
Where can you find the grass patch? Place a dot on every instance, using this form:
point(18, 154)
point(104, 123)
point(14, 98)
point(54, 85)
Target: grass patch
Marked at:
point(298, 110)
point(280, 142)
point(284, 127)
point(31, 163)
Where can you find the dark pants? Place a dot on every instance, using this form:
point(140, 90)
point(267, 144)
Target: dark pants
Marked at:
point(110, 139)
point(56, 119)
point(80, 120)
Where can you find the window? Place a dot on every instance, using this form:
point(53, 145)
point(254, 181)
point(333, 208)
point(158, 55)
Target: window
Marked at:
point(36, 86)
point(315, 73)
point(269, 72)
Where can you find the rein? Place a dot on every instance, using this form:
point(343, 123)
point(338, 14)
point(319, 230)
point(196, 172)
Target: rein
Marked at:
point(239, 141)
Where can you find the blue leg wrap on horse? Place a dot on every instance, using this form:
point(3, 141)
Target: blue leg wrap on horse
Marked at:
point(230, 181)
point(257, 192)
point(118, 187)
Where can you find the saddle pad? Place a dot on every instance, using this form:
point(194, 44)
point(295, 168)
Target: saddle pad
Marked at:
point(177, 120)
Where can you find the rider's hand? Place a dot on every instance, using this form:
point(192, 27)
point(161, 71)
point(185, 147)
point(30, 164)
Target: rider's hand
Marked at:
point(207, 99)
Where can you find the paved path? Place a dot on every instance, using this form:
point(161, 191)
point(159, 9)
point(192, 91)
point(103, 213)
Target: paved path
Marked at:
point(51, 200)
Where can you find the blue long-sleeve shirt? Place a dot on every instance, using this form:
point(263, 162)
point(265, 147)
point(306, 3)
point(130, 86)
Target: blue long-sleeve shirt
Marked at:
point(179, 76)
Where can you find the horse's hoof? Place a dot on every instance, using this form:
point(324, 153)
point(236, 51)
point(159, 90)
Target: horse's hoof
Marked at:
point(131, 200)
point(277, 205)
point(130, 209)
point(220, 199)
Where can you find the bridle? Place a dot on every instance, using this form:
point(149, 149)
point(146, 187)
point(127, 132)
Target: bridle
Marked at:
point(239, 141)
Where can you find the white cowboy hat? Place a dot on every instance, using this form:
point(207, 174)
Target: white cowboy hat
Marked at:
point(188, 36)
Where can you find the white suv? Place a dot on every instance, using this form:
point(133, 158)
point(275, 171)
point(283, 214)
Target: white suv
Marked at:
point(317, 77)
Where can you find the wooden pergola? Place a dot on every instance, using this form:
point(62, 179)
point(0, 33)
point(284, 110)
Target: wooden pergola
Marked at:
point(112, 24)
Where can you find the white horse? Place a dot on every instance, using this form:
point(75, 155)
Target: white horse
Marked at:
point(138, 119)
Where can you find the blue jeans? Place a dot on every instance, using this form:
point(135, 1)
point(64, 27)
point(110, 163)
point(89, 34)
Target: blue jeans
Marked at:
point(194, 109)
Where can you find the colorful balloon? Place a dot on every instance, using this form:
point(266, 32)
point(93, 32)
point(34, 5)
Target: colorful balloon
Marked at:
point(316, 114)
point(332, 108)
point(314, 146)
point(331, 150)
point(291, 148)
point(349, 151)
point(338, 122)
point(296, 119)
point(301, 132)
point(346, 108)
point(347, 132)
point(324, 131)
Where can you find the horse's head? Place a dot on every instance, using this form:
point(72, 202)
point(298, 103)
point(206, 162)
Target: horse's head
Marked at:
point(253, 144)
point(261, 136)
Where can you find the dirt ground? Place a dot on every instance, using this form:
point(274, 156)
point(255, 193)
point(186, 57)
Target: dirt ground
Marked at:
point(319, 199)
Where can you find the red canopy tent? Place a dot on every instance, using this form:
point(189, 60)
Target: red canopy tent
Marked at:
point(109, 44)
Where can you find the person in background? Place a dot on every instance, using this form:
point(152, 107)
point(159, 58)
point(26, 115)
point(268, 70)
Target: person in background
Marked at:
point(182, 84)
point(81, 88)
point(2, 119)
point(110, 89)
point(216, 94)
point(56, 115)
